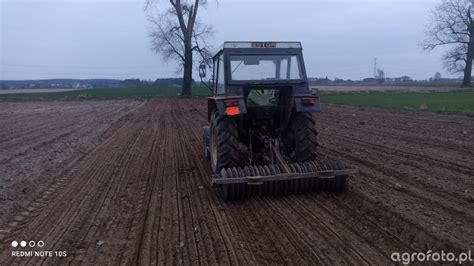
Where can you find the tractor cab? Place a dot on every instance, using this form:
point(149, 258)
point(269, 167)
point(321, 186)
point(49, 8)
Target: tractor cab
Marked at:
point(259, 74)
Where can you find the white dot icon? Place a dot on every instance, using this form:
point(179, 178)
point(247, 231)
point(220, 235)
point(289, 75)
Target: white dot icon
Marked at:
point(14, 244)
point(23, 244)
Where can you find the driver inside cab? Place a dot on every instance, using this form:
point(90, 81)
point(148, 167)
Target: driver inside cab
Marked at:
point(262, 97)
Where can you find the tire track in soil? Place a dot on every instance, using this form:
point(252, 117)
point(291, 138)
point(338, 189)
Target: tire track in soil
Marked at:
point(209, 204)
point(108, 223)
point(134, 232)
point(337, 243)
point(117, 229)
point(213, 250)
point(156, 226)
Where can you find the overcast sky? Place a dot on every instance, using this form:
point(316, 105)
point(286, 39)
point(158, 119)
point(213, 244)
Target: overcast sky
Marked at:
point(109, 38)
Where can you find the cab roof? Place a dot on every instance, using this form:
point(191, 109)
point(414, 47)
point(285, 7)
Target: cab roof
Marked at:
point(256, 44)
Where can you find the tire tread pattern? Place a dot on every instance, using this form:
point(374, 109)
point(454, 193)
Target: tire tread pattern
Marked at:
point(227, 142)
point(303, 148)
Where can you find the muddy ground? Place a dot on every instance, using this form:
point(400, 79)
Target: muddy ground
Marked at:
point(126, 182)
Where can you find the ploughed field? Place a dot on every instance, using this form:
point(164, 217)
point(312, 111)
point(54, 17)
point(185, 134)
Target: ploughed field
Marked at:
point(126, 182)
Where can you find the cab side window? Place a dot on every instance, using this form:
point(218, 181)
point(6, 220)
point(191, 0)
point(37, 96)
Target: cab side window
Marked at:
point(220, 76)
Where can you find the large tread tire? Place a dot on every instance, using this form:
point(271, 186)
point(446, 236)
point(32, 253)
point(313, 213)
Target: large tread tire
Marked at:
point(225, 154)
point(302, 138)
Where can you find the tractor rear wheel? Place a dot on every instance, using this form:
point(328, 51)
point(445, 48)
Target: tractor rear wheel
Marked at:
point(301, 138)
point(206, 135)
point(224, 142)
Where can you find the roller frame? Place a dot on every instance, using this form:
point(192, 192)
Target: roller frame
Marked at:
point(259, 180)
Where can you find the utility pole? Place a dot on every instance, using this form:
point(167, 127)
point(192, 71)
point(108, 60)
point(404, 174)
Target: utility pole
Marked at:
point(375, 67)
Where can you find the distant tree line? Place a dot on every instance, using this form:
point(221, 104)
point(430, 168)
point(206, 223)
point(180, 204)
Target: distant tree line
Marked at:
point(158, 82)
point(135, 82)
point(379, 79)
point(60, 83)
point(88, 83)
point(326, 80)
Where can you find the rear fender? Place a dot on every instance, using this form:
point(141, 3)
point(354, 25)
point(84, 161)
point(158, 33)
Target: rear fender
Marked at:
point(300, 107)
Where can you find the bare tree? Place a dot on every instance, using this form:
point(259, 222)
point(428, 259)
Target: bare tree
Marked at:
point(452, 25)
point(178, 34)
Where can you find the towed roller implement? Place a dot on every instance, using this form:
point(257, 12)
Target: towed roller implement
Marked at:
point(272, 180)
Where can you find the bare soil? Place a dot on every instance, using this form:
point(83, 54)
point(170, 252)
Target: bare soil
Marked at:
point(126, 182)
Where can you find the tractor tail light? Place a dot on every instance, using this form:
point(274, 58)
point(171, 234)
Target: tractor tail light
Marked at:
point(233, 110)
point(232, 107)
point(309, 101)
